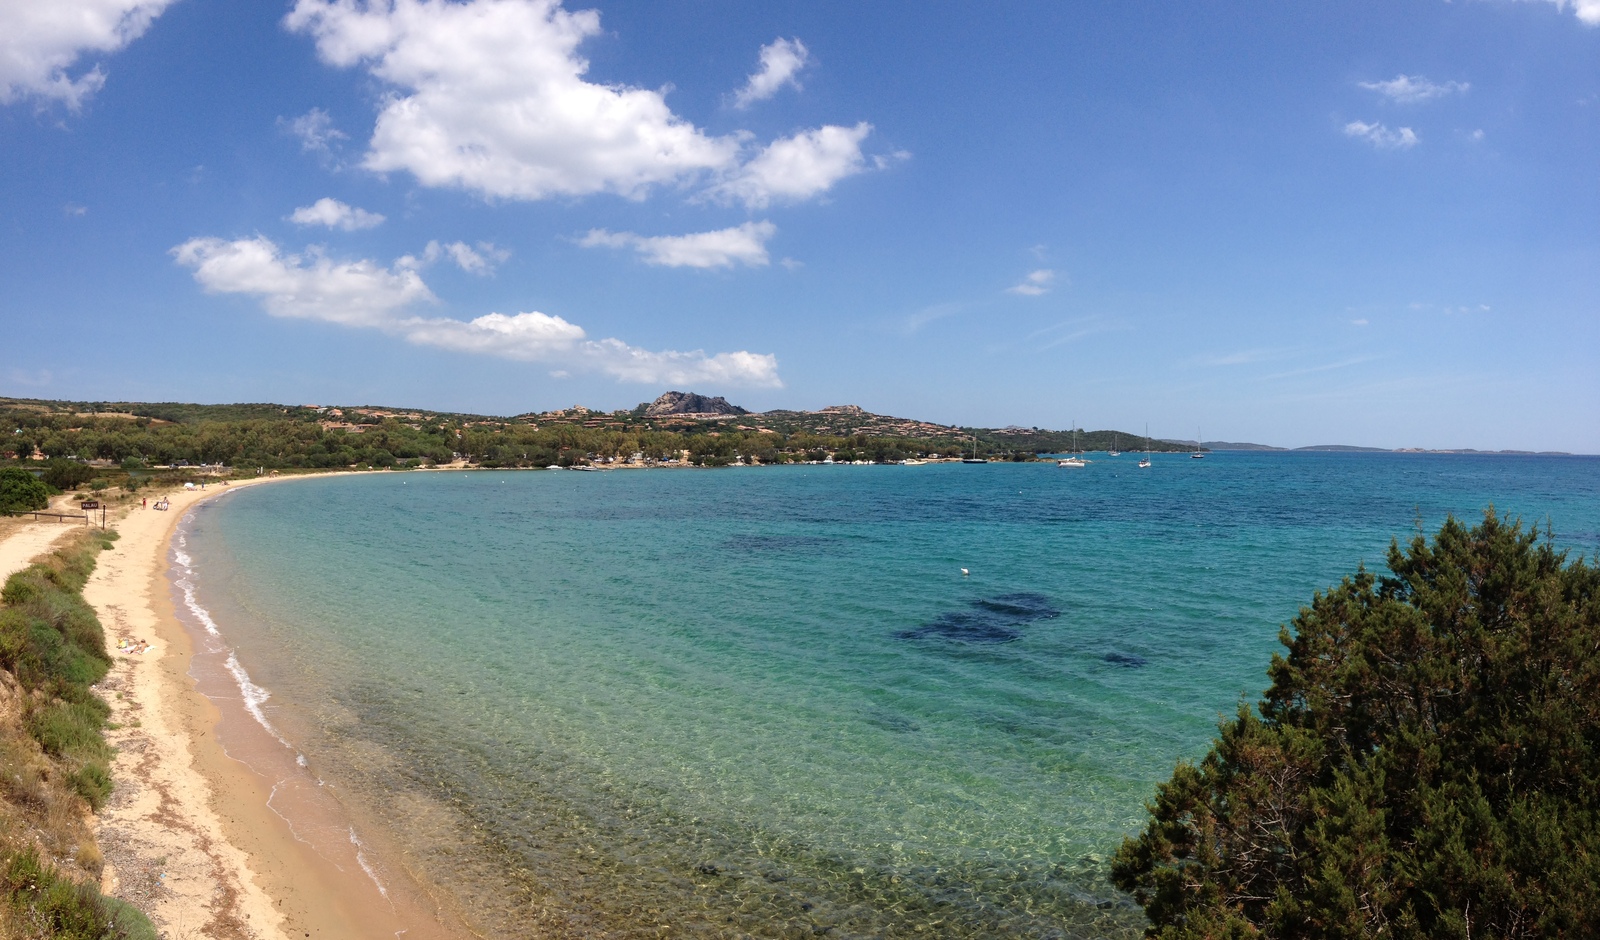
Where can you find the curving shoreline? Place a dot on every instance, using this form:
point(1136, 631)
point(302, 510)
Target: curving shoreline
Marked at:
point(200, 832)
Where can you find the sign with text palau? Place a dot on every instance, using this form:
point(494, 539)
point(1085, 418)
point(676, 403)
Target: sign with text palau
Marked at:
point(91, 504)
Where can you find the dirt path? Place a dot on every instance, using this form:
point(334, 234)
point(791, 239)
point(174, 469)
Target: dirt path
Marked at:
point(23, 540)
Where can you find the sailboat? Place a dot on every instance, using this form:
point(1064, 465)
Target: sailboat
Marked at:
point(1145, 463)
point(974, 458)
point(1076, 459)
point(1198, 453)
point(1114, 452)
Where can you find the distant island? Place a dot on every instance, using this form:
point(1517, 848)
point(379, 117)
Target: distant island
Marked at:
point(678, 428)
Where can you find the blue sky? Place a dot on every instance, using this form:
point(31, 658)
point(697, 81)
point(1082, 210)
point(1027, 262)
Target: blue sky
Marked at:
point(1373, 223)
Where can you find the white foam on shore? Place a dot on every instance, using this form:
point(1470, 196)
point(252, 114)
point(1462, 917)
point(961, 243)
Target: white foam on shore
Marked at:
point(253, 696)
point(361, 858)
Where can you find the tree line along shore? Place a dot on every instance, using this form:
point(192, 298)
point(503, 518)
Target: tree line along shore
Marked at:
point(138, 436)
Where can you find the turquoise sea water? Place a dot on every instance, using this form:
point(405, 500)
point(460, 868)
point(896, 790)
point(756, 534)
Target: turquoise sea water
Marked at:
point(767, 702)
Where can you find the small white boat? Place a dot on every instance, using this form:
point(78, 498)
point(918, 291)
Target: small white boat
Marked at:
point(1113, 452)
point(1145, 463)
point(1198, 453)
point(912, 462)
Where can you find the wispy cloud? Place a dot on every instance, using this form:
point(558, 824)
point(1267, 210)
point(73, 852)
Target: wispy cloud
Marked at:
point(335, 214)
point(743, 244)
point(781, 60)
point(480, 261)
point(1245, 357)
point(366, 295)
point(34, 379)
point(930, 314)
point(315, 131)
point(1422, 307)
point(1413, 89)
point(1070, 331)
point(1324, 367)
point(1035, 284)
point(1381, 136)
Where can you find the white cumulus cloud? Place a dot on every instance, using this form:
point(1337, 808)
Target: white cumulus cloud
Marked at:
point(309, 286)
point(42, 40)
point(780, 62)
point(1381, 136)
point(335, 214)
point(1412, 89)
point(796, 168)
point(489, 96)
point(367, 295)
point(743, 244)
point(1587, 11)
point(1035, 284)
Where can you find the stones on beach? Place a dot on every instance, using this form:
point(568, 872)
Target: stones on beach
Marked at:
point(998, 619)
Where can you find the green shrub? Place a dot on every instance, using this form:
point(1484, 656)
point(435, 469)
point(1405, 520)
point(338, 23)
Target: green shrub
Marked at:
point(92, 781)
point(21, 491)
point(1425, 765)
point(70, 729)
point(64, 910)
point(67, 474)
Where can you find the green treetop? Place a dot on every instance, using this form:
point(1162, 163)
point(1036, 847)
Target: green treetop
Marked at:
point(1426, 763)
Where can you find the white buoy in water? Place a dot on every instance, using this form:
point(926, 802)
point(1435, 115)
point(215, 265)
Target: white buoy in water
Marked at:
point(965, 572)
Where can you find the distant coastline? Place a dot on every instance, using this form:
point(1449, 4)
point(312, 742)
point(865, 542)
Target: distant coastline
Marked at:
point(1354, 449)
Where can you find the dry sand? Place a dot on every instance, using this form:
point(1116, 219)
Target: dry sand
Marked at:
point(189, 836)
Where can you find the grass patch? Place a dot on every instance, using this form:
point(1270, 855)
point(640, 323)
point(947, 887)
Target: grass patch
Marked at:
point(54, 759)
point(50, 905)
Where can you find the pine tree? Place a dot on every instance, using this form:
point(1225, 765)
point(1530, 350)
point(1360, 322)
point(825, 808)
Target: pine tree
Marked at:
point(1426, 763)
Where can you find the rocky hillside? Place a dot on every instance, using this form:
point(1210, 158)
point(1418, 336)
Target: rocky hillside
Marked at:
point(674, 404)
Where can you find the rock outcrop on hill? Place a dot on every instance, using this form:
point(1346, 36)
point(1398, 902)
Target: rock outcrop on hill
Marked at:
point(689, 403)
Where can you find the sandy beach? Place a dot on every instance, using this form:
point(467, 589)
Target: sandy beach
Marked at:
point(199, 839)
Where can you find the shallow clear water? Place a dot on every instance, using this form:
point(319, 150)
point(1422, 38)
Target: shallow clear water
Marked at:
point(767, 701)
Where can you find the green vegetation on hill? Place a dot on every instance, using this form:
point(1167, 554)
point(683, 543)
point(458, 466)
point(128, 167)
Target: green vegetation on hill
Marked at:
point(54, 759)
point(134, 436)
point(1426, 763)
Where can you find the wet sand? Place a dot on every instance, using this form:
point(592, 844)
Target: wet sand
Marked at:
point(214, 829)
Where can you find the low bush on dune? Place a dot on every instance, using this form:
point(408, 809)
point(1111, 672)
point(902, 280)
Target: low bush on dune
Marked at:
point(54, 759)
